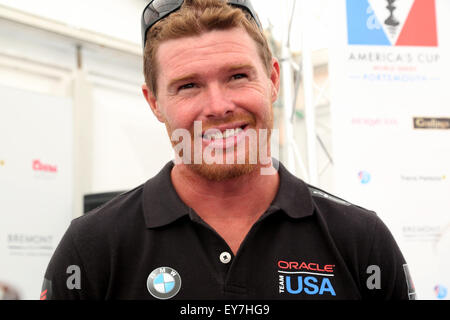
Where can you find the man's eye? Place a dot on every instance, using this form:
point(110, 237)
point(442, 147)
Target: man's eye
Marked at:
point(239, 76)
point(186, 86)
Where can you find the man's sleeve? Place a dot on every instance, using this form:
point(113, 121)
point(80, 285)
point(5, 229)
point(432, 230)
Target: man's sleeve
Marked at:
point(67, 276)
point(386, 272)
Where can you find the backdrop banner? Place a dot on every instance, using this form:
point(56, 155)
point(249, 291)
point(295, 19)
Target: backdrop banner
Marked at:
point(390, 98)
point(35, 185)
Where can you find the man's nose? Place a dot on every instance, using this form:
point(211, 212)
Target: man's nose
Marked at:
point(218, 102)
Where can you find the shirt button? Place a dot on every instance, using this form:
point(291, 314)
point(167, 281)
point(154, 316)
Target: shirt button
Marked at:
point(225, 257)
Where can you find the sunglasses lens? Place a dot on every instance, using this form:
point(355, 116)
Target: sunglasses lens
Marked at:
point(246, 6)
point(150, 15)
point(158, 9)
point(155, 11)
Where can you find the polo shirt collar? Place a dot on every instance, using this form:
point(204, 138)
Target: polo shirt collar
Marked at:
point(293, 196)
point(162, 205)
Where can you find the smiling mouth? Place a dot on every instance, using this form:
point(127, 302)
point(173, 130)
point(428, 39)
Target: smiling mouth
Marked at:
point(225, 132)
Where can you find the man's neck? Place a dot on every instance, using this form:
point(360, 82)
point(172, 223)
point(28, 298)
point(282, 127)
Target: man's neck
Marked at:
point(194, 188)
point(236, 202)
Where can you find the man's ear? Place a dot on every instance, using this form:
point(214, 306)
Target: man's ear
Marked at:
point(275, 79)
point(151, 100)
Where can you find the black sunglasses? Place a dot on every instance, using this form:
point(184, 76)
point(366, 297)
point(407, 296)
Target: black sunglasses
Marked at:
point(159, 9)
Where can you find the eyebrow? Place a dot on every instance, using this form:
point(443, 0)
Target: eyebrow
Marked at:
point(182, 79)
point(194, 75)
point(242, 66)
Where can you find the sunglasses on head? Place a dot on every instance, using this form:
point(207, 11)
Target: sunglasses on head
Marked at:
point(159, 9)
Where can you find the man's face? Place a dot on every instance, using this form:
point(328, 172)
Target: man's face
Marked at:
point(218, 79)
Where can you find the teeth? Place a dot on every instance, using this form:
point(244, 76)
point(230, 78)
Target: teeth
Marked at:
point(213, 135)
point(232, 132)
point(219, 135)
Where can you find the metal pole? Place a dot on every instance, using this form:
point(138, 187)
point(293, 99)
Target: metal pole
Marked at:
point(288, 92)
point(82, 135)
point(308, 86)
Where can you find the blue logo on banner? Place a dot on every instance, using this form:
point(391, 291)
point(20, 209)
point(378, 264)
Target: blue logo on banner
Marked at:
point(364, 28)
point(364, 177)
point(441, 291)
point(392, 22)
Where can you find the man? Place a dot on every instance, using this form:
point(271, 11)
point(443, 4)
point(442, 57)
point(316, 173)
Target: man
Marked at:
point(222, 222)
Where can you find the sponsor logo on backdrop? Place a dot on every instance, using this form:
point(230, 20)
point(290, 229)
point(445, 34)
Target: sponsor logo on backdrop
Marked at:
point(27, 244)
point(375, 122)
point(40, 166)
point(422, 233)
point(423, 178)
point(43, 170)
point(392, 40)
point(2, 163)
point(440, 291)
point(305, 278)
point(364, 177)
point(392, 22)
point(431, 123)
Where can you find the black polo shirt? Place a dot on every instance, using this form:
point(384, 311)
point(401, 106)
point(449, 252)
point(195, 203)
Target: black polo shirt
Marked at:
point(147, 244)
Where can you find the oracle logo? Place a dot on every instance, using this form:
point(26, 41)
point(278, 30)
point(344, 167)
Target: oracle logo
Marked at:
point(43, 167)
point(294, 265)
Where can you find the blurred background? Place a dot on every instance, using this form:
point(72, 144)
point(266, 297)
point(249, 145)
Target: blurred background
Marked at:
point(364, 113)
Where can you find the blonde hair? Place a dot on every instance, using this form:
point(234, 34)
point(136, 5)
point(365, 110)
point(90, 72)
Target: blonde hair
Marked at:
point(194, 18)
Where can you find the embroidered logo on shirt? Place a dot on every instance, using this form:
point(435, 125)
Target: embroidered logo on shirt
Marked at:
point(164, 283)
point(296, 277)
point(46, 291)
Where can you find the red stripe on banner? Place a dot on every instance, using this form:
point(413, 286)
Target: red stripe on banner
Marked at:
point(44, 292)
point(420, 27)
point(44, 298)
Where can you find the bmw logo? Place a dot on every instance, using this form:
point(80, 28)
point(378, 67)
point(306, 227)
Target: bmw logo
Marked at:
point(164, 283)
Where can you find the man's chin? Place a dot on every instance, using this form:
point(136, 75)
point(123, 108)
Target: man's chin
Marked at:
point(222, 172)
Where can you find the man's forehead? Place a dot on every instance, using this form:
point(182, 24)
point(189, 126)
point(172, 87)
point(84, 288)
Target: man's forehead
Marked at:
point(233, 45)
point(227, 41)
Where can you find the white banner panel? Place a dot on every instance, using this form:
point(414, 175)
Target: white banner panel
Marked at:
point(35, 184)
point(390, 103)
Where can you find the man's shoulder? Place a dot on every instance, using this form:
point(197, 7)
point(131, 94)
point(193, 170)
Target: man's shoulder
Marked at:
point(341, 215)
point(115, 213)
point(326, 200)
point(347, 223)
point(362, 239)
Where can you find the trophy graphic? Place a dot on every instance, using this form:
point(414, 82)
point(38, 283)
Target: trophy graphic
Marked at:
point(391, 22)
